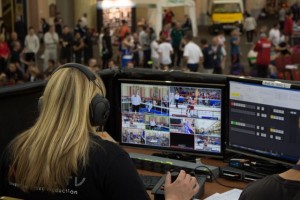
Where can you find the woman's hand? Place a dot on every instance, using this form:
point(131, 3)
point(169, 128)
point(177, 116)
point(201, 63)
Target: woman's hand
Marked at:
point(183, 188)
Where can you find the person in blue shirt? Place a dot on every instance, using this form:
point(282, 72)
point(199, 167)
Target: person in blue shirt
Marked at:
point(235, 47)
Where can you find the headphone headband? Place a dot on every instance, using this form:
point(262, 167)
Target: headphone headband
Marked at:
point(99, 106)
point(85, 70)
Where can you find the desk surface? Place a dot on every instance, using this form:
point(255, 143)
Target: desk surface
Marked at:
point(210, 188)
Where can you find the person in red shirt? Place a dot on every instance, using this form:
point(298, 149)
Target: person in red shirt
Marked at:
point(263, 49)
point(124, 30)
point(4, 53)
point(168, 16)
point(288, 24)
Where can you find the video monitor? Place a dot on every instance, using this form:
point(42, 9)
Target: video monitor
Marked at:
point(264, 119)
point(172, 116)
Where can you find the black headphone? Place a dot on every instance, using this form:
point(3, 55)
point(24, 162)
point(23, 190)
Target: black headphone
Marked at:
point(99, 106)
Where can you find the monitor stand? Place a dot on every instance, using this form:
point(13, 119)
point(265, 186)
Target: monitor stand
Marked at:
point(178, 156)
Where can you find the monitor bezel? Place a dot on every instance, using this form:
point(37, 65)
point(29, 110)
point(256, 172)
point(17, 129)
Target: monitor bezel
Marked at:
point(252, 154)
point(222, 87)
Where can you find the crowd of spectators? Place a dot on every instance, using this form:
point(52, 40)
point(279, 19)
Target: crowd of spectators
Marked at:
point(26, 56)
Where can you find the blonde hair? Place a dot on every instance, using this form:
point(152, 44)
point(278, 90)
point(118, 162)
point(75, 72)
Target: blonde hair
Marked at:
point(57, 146)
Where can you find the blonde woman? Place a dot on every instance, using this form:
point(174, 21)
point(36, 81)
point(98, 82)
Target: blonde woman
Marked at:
point(61, 157)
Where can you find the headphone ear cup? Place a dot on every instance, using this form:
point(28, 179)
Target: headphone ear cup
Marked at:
point(99, 110)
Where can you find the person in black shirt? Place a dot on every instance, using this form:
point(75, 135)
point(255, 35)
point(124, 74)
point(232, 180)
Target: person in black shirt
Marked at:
point(14, 75)
point(16, 52)
point(66, 45)
point(88, 46)
point(62, 157)
point(78, 46)
point(107, 51)
point(20, 29)
point(279, 186)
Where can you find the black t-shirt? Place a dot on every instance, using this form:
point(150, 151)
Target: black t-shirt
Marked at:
point(109, 175)
point(107, 46)
point(272, 187)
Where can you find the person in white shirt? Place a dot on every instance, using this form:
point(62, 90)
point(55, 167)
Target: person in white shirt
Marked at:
point(84, 21)
point(32, 45)
point(250, 26)
point(154, 54)
point(51, 41)
point(136, 102)
point(165, 50)
point(192, 53)
point(152, 124)
point(274, 35)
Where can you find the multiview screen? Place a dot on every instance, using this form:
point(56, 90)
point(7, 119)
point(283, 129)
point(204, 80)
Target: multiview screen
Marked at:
point(265, 119)
point(175, 117)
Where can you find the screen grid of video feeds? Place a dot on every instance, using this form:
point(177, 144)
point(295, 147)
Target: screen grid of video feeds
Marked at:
point(171, 117)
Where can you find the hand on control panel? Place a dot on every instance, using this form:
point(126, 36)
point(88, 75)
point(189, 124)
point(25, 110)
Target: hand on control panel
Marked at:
point(180, 186)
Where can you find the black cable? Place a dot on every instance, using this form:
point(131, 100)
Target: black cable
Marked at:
point(214, 177)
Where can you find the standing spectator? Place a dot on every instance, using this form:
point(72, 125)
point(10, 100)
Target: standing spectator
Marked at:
point(274, 35)
point(78, 45)
point(45, 26)
point(80, 28)
point(192, 53)
point(12, 40)
point(208, 68)
point(165, 51)
point(66, 45)
point(3, 28)
point(235, 47)
point(166, 31)
point(51, 41)
point(127, 45)
point(107, 52)
point(282, 14)
point(100, 41)
point(154, 54)
point(288, 25)
point(88, 46)
point(15, 53)
point(84, 20)
point(4, 53)
point(32, 45)
point(263, 49)
point(145, 43)
point(222, 41)
point(58, 25)
point(176, 36)
point(250, 27)
point(168, 18)
point(136, 50)
point(187, 25)
point(124, 30)
point(20, 29)
point(212, 56)
point(183, 42)
point(295, 11)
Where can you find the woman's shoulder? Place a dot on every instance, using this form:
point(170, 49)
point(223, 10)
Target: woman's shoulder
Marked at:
point(105, 147)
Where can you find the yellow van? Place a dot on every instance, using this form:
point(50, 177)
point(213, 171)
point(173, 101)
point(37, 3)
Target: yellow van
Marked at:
point(226, 15)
